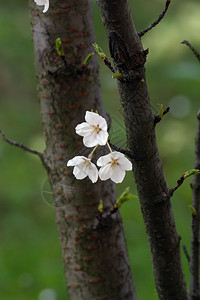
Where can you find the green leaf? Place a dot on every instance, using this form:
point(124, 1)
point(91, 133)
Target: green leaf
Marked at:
point(117, 75)
point(99, 51)
point(190, 173)
point(59, 47)
point(161, 111)
point(87, 59)
point(100, 207)
point(125, 196)
point(193, 210)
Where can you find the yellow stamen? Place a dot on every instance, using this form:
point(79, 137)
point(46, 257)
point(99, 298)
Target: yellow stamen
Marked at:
point(114, 162)
point(96, 128)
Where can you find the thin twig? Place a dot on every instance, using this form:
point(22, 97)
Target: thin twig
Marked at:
point(179, 183)
point(157, 118)
point(22, 146)
point(108, 64)
point(182, 178)
point(196, 53)
point(186, 253)
point(161, 16)
point(126, 152)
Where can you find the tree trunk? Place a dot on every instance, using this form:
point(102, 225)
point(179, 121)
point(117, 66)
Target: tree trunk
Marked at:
point(194, 262)
point(129, 58)
point(94, 255)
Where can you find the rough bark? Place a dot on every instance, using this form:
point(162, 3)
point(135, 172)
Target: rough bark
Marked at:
point(129, 58)
point(194, 258)
point(95, 257)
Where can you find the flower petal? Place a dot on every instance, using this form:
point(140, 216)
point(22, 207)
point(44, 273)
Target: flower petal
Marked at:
point(117, 155)
point(90, 140)
point(103, 160)
point(83, 129)
point(79, 172)
point(91, 117)
point(102, 137)
point(40, 2)
point(125, 163)
point(105, 172)
point(93, 172)
point(43, 2)
point(95, 119)
point(102, 123)
point(76, 161)
point(118, 174)
point(46, 7)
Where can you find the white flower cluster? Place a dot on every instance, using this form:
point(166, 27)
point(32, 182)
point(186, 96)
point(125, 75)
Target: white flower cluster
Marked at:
point(112, 166)
point(43, 2)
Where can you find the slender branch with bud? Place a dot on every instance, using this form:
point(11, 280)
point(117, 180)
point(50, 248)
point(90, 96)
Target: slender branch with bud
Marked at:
point(116, 74)
point(159, 117)
point(157, 21)
point(23, 147)
point(196, 53)
point(106, 218)
point(182, 178)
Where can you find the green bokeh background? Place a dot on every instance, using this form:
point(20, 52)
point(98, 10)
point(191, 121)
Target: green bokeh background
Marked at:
point(30, 256)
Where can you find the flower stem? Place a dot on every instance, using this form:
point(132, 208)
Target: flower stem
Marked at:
point(109, 146)
point(90, 155)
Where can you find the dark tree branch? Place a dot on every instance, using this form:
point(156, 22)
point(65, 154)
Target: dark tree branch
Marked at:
point(186, 253)
point(109, 65)
point(125, 152)
point(158, 118)
point(179, 183)
point(161, 16)
point(182, 178)
point(196, 53)
point(195, 227)
point(25, 148)
point(129, 58)
point(97, 1)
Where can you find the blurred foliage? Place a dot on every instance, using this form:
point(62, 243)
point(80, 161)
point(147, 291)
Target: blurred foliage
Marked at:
point(30, 256)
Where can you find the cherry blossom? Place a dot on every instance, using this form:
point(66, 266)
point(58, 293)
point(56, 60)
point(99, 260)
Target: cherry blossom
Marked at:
point(83, 167)
point(113, 166)
point(94, 130)
point(43, 2)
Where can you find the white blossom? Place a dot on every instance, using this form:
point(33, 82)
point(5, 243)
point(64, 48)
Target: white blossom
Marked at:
point(43, 2)
point(83, 167)
point(113, 166)
point(94, 130)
